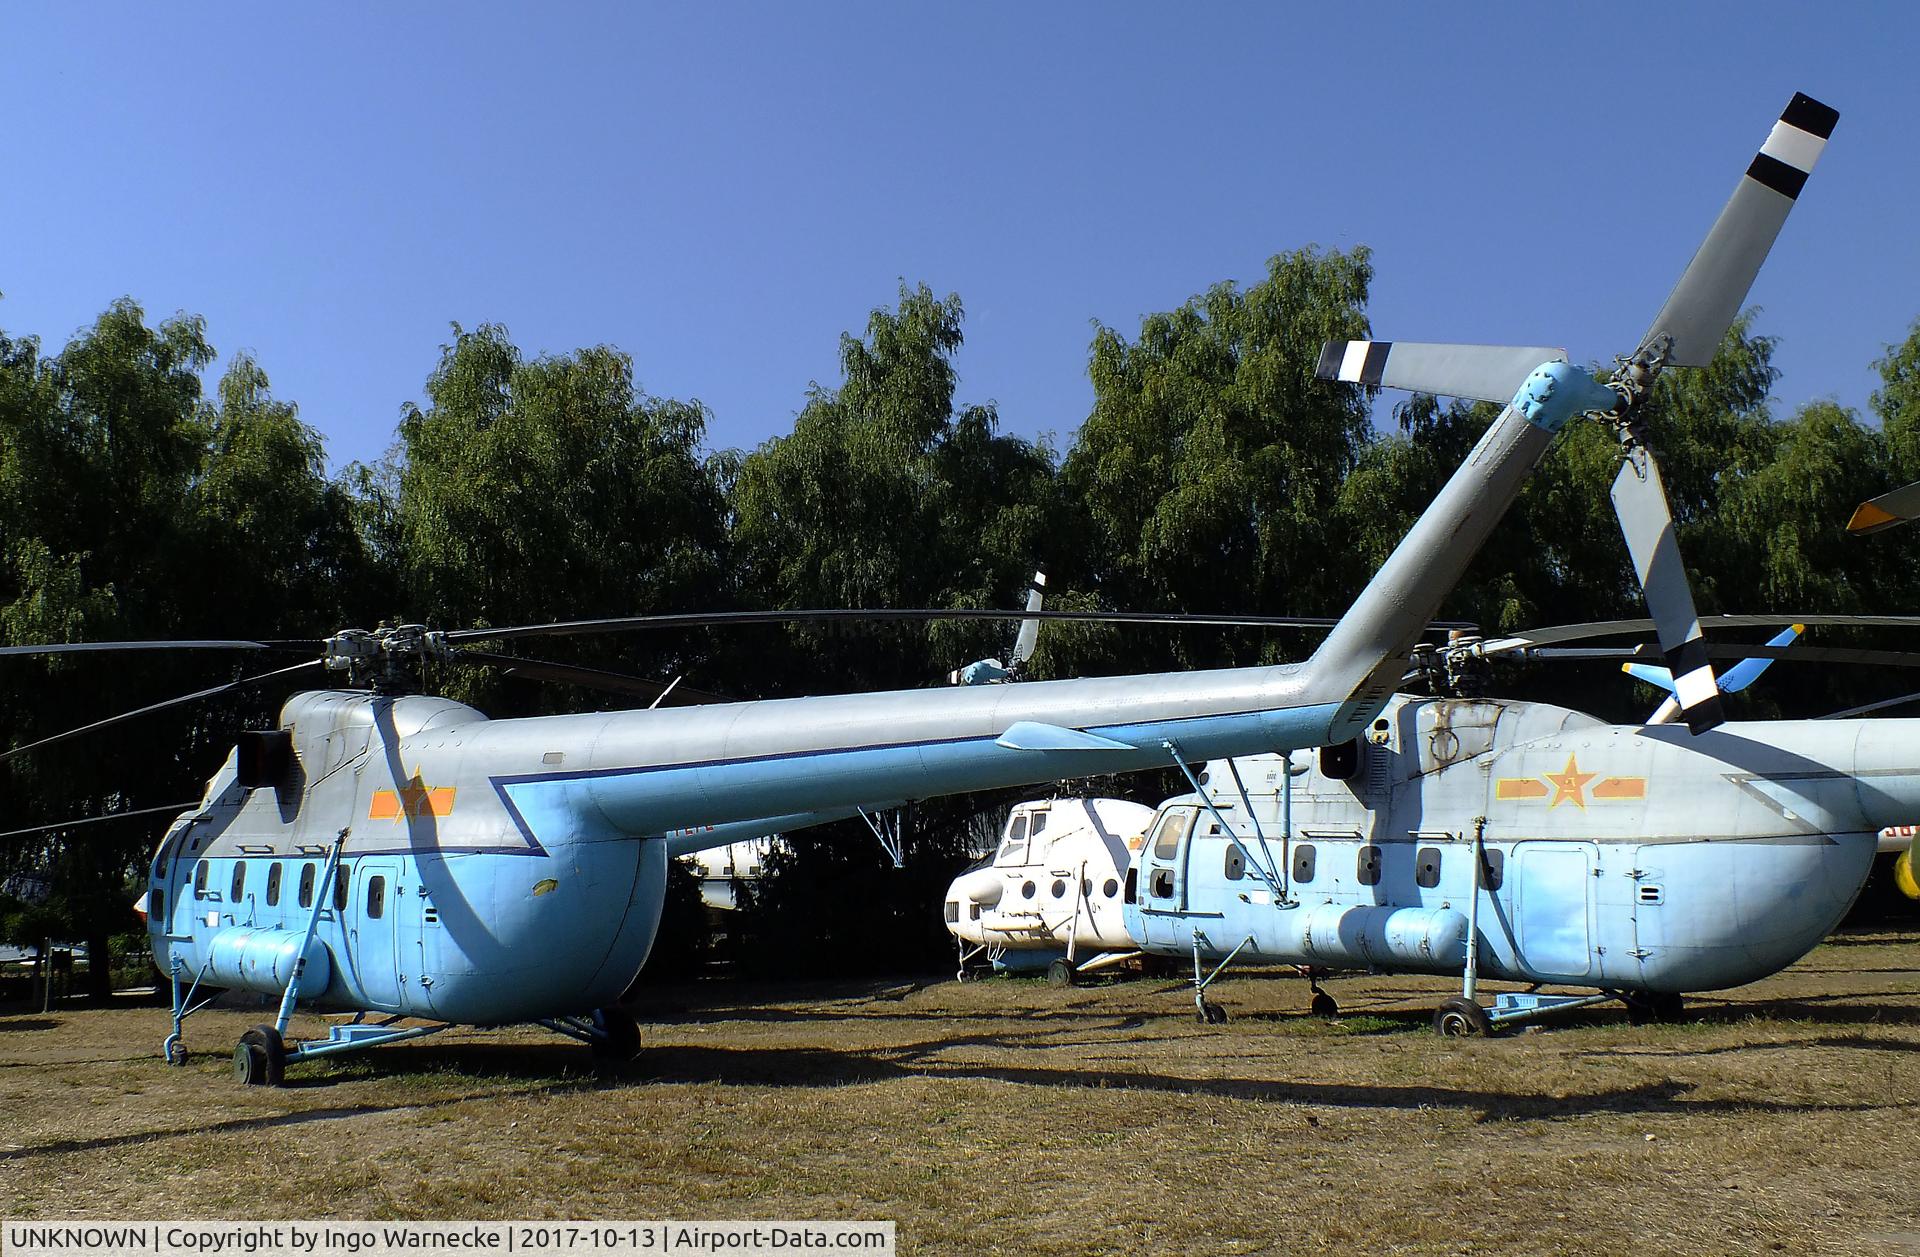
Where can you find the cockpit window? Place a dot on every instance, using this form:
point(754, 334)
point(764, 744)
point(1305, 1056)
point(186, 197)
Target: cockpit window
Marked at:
point(1173, 827)
point(1014, 849)
point(1039, 821)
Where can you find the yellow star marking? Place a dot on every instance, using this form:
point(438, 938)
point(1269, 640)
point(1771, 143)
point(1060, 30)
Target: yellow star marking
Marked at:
point(1569, 785)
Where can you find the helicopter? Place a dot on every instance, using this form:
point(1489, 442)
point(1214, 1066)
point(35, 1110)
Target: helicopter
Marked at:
point(1050, 890)
point(1527, 842)
point(396, 855)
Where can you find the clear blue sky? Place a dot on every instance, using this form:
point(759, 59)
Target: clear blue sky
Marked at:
point(721, 190)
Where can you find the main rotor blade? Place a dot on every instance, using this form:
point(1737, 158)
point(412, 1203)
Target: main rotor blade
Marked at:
point(1862, 710)
point(70, 648)
point(1715, 283)
point(1483, 373)
point(1550, 634)
point(635, 623)
point(1640, 500)
point(592, 678)
point(95, 820)
point(1709, 650)
point(162, 706)
point(1029, 635)
point(1889, 510)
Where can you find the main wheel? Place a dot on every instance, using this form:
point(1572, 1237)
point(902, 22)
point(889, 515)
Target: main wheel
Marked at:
point(1211, 1013)
point(1059, 974)
point(1461, 1018)
point(619, 1040)
point(1324, 1005)
point(260, 1058)
point(176, 1051)
point(1653, 1007)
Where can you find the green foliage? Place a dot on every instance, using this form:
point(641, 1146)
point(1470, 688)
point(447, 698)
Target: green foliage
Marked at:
point(886, 495)
point(532, 491)
point(1208, 471)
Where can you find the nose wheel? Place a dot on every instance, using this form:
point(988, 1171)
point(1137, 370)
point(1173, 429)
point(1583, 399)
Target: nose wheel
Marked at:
point(617, 1036)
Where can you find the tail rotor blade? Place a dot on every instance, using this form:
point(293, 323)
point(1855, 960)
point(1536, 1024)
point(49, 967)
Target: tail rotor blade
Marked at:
point(1886, 511)
point(1030, 629)
point(1703, 304)
point(1640, 500)
point(1483, 373)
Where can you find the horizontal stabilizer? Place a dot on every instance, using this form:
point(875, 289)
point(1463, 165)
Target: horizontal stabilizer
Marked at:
point(1484, 373)
point(1031, 735)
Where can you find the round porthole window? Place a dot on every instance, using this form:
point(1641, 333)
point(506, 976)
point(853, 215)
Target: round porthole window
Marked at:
point(1027, 890)
point(1059, 889)
point(1111, 889)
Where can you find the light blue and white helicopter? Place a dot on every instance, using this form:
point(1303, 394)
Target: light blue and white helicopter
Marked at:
point(400, 856)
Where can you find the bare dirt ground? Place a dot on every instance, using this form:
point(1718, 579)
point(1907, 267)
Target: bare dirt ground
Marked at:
point(1007, 1116)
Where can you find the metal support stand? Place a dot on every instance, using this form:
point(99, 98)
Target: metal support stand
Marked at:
point(355, 1035)
point(891, 837)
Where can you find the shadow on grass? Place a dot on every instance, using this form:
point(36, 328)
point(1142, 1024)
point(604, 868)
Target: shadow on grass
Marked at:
point(27, 1023)
point(243, 1125)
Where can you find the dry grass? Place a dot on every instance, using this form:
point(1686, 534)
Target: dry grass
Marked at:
point(1012, 1117)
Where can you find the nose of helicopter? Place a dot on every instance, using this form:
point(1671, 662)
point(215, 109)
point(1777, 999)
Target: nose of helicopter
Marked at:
point(971, 894)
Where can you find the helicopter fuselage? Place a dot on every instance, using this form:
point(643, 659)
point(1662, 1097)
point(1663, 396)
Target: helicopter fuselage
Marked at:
point(1623, 857)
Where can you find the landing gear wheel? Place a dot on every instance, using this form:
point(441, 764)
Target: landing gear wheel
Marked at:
point(960, 975)
point(620, 1039)
point(1059, 974)
point(1460, 1018)
point(176, 1052)
point(1654, 1007)
point(260, 1059)
point(1324, 1005)
point(1211, 1013)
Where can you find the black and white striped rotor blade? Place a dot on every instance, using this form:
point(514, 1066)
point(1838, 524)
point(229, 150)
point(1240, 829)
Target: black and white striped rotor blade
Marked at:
point(1710, 292)
point(1640, 500)
point(1029, 635)
point(1482, 373)
point(1889, 510)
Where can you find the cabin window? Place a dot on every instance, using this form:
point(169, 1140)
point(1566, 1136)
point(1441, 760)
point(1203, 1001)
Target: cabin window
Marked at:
point(306, 886)
point(239, 879)
point(1133, 884)
point(1111, 888)
point(1368, 870)
point(1166, 839)
point(1426, 867)
point(1039, 821)
point(157, 906)
point(1162, 885)
point(376, 897)
point(953, 912)
point(973, 912)
point(1059, 888)
point(1236, 864)
point(340, 889)
point(200, 879)
point(1493, 869)
point(1340, 763)
point(1028, 890)
point(1303, 862)
point(273, 884)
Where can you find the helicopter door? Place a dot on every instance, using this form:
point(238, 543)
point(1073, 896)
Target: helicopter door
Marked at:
point(1163, 876)
point(1553, 908)
point(373, 917)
